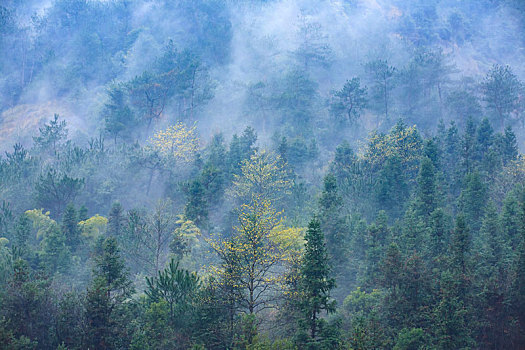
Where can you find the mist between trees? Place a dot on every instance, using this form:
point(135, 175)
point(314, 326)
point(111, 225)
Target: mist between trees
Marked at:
point(262, 174)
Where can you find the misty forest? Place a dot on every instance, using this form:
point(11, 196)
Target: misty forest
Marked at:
point(262, 174)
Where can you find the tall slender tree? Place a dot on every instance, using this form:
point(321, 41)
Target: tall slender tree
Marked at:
point(315, 281)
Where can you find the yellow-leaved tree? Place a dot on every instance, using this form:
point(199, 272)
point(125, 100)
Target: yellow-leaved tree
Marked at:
point(41, 221)
point(402, 142)
point(251, 259)
point(254, 260)
point(177, 142)
point(93, 227)
point(263, 175)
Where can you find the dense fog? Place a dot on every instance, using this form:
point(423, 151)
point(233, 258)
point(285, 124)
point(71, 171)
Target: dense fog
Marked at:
point(205, 174)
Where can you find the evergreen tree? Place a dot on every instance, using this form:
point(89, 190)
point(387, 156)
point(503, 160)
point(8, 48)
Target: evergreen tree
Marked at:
point(22, 232)
point(70, 226)
point(517, 292)
point(510, 220)
point(377, 237)
point(439, 235)
point(460, 247)
point(55, 253)
point(509, 146)
point(459, 264)
point(178, 288)
point(52, 135)
point(315, 282)
point(451, 156)
point(28, 307)
point(196, 208)
point(348, 103)
point(501, 89)
point(391, 268)
point(82, 213)
point(473, 200)
point(427, 199)
point(489, 281)
point(484, 140)
point(116, 221)
point(106, 297)
point(451, 327)
point(118, 116)
point(468, 147)
point(333, 222)
point(392, 189)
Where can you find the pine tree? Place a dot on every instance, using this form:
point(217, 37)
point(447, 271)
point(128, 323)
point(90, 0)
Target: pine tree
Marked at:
point(377, 237)
point(439, 235)
point(22, 232)
point(468, 146)
point(82, 213)
point(517, 292)
point(55, 253)
point(510, 221)
point(106, 296)
point(333, 222)
point(451, 327)
point(484, 140)
point(70, 226)
point(509, 146)
point(460, 247)
point(392, 190)
point(116, 220)
point(473, 200)
point(315, 281)
point(427, 200)
point(196, 208)
point(489, 281)
point(460, 266)
point(391, 268)
point(451, 156)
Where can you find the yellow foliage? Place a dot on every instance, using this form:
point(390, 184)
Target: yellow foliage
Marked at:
point(177, 142)
point(3, 241)
point(263, 175)
point(253, 259)
point(41, 221)
point(402, 142)
point(187, 229)
point(290, 240)
point(92, 227)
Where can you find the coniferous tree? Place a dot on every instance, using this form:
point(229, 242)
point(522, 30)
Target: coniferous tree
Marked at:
point(392, 189)
point(332, 221)
point(116, 220)
point(427, 200)
point(55, 253)
point(28, 307)
point(450, 326)
point(517, 292)
point(439, 236)
point(484, 140)
point(69, 226)
point(509, 146)
point(501, 89)
point(473, 200)
point(196, 208)
point(489, 280)
point(510, 220)
point(22, 232)
point(105, 298)
point(315, 282)
point(451, 154)
point(376, 240)
point(468, 145)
